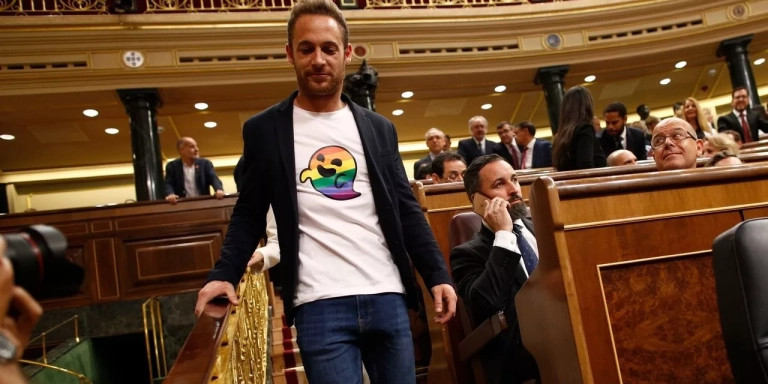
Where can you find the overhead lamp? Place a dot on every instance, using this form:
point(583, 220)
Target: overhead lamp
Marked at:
point(7, 137)
point(210, 124)
point(759, 61)
point(201, 106)
point(407, 94)
point(90, 112)
point(681, 64)
point(590, 78)
point(486, 106)
point(112, 131)
point(665, 81)
point(397, 112)
point(500, 88)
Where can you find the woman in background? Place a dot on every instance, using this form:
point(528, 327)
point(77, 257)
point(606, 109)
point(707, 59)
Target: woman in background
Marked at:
point(695, 116)
point(576, 146)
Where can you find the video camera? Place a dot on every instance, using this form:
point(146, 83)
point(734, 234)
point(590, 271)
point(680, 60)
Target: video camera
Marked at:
point(38, 256)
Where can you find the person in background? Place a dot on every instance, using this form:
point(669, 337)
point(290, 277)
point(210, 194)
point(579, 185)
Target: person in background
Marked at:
point(190, 175)
point(478, 144)
point(718, 143)
point(734, 135)
point(621, 157)
point(576, 146)
point(447, 145)
point(20, 313)
point(507, 147)
point(618, 135)
point(675, 145)
point(349, 227)
point(695, 116)
point(448, 167)
point(435, 140)
point(742, 119)
point(534, 153)
point(722, 159)
point(677, 110)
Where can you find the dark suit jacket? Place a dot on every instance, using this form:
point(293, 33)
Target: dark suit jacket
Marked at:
point(421, 162)
point(542, 154)
point(488, 278)
point(502, 150)
point(205, 177)
point(270, 177)
point(731, 121)
point(468, 149)
point(635, 143)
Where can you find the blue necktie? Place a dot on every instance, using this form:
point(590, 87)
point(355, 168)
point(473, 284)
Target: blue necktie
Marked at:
point(526, 251)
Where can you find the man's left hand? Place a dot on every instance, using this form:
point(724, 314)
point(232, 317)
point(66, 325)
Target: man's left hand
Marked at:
point(219, 194)
point(445, 302)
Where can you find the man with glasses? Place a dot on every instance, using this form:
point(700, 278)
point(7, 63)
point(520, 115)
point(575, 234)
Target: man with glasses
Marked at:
point(747, 122)
point(675, 145)
point(448, 167)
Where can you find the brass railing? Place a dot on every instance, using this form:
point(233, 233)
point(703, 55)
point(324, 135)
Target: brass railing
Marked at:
point(64, 7)
point(43, 336)
point(154, 339)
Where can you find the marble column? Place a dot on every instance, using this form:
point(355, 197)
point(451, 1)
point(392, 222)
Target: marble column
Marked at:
point(739, 67)
point(552, 80)
point(141, 106)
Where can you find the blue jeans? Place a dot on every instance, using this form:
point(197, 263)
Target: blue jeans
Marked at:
point(336, 335)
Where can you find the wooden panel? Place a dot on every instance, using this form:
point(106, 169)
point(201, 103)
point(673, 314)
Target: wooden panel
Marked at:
point(755, 213)
point(188, 218)
point(101, 226)
point(184, 260)
point(106, 269)
point(665, 321)
point(440, 222)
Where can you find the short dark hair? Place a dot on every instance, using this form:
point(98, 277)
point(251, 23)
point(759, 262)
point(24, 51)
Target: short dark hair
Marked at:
point(678, 105)
point(317, 7)
point(472, 174)
point(438, 163)
point(616, 107)
point(717, 157)
point(499, 125)
point(739, 88)
point(735, 134)
point(527, 125)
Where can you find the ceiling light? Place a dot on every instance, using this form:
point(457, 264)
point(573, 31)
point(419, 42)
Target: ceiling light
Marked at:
point(500, 88)
point(210, 124)
point(112, 131)
point(681, 64)
point(90, 112)
point(407, 94)
point(590, 78)
point(759, 61)
point(712, 72)
point(7, 137)
point(201, 106)
point(486, 106)
point(665, 81)
point(397, 112)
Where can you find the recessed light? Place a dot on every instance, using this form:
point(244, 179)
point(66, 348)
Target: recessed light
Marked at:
point(500, 88)
point(681, 64)
point(7, 137)
point(112, 131)
point(90, 112)
point(590, 78)
point(397, 112)
point(407, 94)
point(712, 72)
point(486, 106)
point(759, 61)
point(201, 106)
point(210, 124)
point(665, 81)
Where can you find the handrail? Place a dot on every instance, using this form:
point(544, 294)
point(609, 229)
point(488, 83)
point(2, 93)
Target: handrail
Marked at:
point(152, 316)
point(49, 330)
point(82, 378)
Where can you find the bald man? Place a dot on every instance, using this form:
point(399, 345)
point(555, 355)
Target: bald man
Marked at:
point(621, 157)
point(675, 145)
point(190, 175)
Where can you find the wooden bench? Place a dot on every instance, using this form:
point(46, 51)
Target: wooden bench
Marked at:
point(624, 290)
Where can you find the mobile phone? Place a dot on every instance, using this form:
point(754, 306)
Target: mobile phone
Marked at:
point(478, 203)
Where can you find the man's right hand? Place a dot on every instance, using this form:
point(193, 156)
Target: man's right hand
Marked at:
point(213, 290)
point(256, 262)
point(497, 216)
point(172, 198)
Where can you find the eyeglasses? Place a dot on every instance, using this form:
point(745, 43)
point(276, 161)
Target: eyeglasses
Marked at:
point(677, 137)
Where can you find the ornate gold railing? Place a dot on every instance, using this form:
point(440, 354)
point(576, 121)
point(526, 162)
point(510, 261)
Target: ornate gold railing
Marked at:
point(64, 7)
point(154, 339)
point(229, 345)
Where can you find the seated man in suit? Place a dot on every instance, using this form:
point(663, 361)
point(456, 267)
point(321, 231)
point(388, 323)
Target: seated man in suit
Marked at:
point(448, 167)
point(618, 136)
point(477, 145)
point(190, 175)
point(507, 148)
point(675, 145)
point(743, 120)
point(621, 157)
point(490, 268)
point(435, 139)
point(533, 153)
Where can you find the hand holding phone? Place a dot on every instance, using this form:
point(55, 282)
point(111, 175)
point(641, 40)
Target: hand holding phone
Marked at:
point(495, 212)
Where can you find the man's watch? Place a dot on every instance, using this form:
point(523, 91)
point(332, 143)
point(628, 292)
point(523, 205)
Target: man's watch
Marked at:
point(7, 349)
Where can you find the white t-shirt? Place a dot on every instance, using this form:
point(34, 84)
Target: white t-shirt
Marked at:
point(342, 250)
point(189, 180)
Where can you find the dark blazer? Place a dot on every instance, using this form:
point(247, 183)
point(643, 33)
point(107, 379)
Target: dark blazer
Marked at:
point(731, 121)
point(584, 151)
point(502, 150)
point(542, 154)
point(488, 278)
point(635, 143)
point(468, 149)
point(205, 177)
point(270, 177)
point(421, 162)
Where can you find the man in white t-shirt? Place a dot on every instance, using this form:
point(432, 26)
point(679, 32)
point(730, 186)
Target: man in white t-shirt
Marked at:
point(350, 227)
